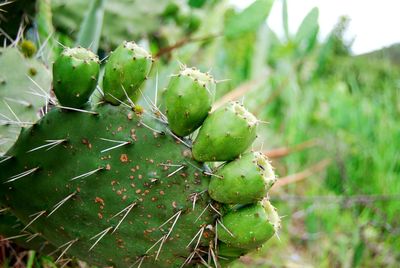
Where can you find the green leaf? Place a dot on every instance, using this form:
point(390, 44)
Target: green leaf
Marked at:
point(90, 30)
point(197, 3)
point(358, 254)
point(306, 34)
point(249, 20)
point(285, 19)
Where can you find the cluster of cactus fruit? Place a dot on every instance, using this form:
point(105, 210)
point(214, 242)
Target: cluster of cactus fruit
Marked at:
point(115, 184)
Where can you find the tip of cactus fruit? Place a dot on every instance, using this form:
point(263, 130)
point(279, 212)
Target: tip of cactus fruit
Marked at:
point(272, 215)
point(197, 75)
point(243, 113)
point(81, 53)
point(265, 168)
point(139, 51)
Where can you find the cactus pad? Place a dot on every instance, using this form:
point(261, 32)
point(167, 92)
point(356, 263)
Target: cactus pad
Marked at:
point(126, 178)
point(24, 84)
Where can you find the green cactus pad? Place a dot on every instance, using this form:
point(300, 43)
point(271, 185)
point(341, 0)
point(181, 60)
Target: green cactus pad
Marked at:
point(188, 99)
point(250, 226)
point(244, 180)
point(23, 84)
point(75, 75)
point(113, 176)
point(10, 227)
point(225, 134)
point(126, 69)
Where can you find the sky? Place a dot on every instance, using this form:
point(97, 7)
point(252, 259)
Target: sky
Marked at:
point(374, 24)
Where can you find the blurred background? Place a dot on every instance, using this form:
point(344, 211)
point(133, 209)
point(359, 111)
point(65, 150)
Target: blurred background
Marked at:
point(323, 75)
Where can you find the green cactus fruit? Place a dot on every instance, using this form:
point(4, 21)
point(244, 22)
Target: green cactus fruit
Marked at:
point(125, 71)
point(226, 251)
point(225, 134)
point(75, 75)
point(244, 180)
point(249, 227)
point(188, 99)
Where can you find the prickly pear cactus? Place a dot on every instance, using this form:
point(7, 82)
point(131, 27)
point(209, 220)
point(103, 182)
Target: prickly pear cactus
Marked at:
point(117, 185)
point(24, 85)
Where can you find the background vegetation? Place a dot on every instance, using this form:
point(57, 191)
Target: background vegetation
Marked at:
point(332, 131)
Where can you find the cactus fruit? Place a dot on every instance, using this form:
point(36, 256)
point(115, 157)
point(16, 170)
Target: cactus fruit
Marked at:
point(75, 75)
point(125, 71)
point(250, 226)
point(244, 180)
point(188, 99)
point(225, 134)
point(114, 186)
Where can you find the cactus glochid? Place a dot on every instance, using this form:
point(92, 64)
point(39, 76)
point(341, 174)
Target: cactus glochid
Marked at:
point(119, 185)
